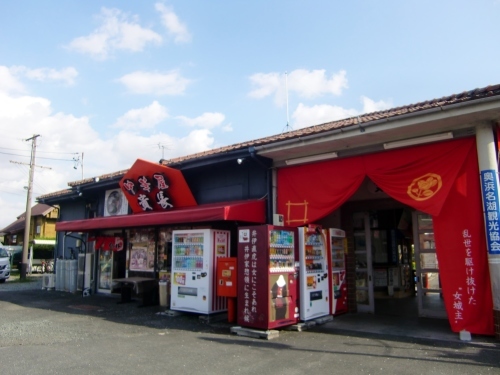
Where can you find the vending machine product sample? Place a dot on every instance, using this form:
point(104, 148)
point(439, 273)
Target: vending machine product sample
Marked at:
point(194, 262)
point(314, 278)
point(338, 246)
point(267, 277)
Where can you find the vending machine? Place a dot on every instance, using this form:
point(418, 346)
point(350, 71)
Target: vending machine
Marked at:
point(194, 262)
point(314, 279)
point(338, 249)
point(267, 277)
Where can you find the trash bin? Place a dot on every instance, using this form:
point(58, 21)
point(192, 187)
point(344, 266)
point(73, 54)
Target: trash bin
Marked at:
point(163, 291)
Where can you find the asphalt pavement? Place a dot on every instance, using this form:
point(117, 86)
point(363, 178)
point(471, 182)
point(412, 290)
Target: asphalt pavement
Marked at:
point(54, 332)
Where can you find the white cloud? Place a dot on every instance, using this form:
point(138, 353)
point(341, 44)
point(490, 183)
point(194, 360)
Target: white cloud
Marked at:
point(66, 75)
point(23, 108)
point(207, 120)
point(306, 84)
point(117, 31)
point(265, 84)
point(147, 147)
point(173, 25)
point(196, 141)
point(171, 83)
point(9, 83)
point(304, 116)
point(143, 118)
point(370, 105)
point(314, 83)
point(63, 136)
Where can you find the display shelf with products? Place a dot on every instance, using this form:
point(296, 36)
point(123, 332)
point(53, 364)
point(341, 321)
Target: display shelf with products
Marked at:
point(338, 258)
point(281, 251)
point(188, 251)
point(314, 250)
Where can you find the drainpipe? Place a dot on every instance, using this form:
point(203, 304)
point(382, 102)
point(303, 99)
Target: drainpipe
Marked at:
point(63, 245)
point(487, 157)
point(269, 203)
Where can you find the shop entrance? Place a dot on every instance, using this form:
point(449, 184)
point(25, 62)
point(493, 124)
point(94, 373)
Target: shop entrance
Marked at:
point(428, 282)
point(396, 265)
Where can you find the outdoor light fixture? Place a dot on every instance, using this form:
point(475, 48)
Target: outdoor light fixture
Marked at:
point(361, 129)
point(307, 159)
point(420, 140)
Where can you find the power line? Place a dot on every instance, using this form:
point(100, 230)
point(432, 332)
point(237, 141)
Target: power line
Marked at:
point(23, 193)
point(38, 151)
point(27, 156)
point(31, 166)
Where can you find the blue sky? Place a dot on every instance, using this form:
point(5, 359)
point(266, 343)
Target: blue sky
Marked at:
point(119, 80)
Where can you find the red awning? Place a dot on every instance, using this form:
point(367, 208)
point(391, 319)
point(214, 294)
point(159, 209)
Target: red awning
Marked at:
point(247, 211)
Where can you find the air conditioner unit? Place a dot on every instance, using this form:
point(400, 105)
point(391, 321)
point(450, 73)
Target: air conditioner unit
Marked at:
point(48, 281)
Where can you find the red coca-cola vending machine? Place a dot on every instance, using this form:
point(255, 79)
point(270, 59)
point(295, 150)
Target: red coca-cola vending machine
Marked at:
point(267, 277)
point(338, 249)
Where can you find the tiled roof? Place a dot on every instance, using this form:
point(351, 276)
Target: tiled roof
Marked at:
point(16, 226)
point(38, 209)
point(55, 194)
point(466, 96)
point(103, 177)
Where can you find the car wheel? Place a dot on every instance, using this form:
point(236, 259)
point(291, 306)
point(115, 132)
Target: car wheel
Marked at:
point(2, 281)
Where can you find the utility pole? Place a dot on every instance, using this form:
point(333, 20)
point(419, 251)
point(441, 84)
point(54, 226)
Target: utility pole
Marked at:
point(27, 220)
point(162, 150)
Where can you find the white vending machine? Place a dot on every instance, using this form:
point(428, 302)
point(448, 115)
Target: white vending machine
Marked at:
point(314, 279)
point(194, 262)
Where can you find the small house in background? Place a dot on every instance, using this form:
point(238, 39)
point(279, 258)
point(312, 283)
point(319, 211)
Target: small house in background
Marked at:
point(42, 225)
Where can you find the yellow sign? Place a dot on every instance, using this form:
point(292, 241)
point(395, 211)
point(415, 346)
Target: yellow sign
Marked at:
point(425, 187)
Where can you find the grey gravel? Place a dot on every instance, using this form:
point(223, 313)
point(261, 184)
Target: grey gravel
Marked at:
point(33, 282)
point(55, 332)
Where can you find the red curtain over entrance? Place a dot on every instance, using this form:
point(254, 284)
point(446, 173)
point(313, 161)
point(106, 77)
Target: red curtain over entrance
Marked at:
point(441, 179)
point(461, 249)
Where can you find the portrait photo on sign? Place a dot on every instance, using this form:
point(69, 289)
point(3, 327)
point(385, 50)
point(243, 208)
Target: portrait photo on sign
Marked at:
point(115, 203)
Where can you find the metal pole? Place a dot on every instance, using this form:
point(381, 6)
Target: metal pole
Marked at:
point(27, 219)
point(487, 159)
point(286, 88)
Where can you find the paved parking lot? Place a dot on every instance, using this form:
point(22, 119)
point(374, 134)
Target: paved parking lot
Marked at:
point(61, 333)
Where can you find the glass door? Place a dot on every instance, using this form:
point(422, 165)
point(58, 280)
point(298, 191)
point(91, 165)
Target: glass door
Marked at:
point(362, 251)
point(429, 293)
point(104, 271)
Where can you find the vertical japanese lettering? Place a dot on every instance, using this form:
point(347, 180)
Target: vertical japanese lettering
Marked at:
point(489, 187)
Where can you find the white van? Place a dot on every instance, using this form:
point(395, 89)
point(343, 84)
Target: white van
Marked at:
point(4, 265)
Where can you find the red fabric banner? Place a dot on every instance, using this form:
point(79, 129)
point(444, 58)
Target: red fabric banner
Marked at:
point(108, 243)
point(462, 255)
point(308, 192)
point(421, 176)
point(429, 178)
